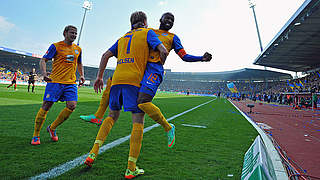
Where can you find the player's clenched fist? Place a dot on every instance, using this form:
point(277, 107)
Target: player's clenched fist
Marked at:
point(206, 57)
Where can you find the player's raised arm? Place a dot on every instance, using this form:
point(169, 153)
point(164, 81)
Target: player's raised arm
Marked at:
point(178, 48)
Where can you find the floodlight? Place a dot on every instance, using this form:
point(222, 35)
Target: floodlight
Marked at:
point(87, 5)
point(252, 3)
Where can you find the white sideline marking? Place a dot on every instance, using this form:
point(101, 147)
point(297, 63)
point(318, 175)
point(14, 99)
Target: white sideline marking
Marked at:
point(190, 125)
point(57, 171)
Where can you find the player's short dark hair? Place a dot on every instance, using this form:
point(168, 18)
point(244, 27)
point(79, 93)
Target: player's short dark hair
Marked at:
point(138, 17)
point(167, 14)
point(67, 28)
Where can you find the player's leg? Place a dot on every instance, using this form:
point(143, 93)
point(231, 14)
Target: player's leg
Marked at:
point(63, 115)
point(104, 130)
point(10, 85)
point(68, 93)
point(135, 146)
point(15, 86)
point(39, 120)
point(149, 85)
point(115, 105)
point(104, 102)
point(130, 96)
point(33, 86)
point(154, 113)
point(28, 86)
point(146, 105)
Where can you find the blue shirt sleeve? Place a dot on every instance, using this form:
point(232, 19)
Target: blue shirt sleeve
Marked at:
point(114, 49)
point(153, 39)
point(176, 44)
point(191, 58)
point(80, 58)
point(51, 52)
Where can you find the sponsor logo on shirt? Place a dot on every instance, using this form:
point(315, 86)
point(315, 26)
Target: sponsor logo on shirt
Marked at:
point(70, 58)
point(76, 51)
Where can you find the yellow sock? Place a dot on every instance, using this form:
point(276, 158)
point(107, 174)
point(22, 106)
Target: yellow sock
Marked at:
point(39, 120)
point(154, 113)
point(104, 102)
point(64, 114)
point(135, 145)
point(104, 130)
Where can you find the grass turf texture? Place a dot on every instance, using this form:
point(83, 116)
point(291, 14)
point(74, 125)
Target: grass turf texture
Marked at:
point(199, 153)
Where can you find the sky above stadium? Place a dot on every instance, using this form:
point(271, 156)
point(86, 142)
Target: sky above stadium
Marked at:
point(224, 28)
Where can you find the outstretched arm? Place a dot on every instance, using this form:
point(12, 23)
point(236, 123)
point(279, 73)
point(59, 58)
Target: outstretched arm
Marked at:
point(190, 58)
point(178, 48)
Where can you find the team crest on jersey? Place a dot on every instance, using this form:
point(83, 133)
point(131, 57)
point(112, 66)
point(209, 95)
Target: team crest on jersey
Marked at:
point(76, 51)
point(48, 95)
point(164, 34)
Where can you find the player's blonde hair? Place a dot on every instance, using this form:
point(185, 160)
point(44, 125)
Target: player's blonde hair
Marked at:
point(138, 19)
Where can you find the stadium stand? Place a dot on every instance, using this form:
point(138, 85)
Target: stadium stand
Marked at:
point(16, 60)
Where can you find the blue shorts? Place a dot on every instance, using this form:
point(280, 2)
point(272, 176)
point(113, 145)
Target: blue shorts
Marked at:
point(124, 95)
point(152, 78)
point(60, 92)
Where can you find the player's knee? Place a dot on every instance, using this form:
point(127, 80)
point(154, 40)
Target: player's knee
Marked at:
point(144, 98)
point(114, 115)
point(71, 106)
point(47, 105)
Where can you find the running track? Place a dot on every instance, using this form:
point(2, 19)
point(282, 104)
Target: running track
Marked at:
point(296, 131)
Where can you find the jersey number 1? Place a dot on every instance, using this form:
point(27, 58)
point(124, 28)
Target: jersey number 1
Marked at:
point(129, 43)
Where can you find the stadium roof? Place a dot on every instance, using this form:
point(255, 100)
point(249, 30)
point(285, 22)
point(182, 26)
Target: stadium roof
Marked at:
point(7, 51)
point(18, 59)
point(241, 74)
point(296, 46)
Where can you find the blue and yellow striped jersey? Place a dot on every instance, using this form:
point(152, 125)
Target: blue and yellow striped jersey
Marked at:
point(65, 58)
point(132, 52)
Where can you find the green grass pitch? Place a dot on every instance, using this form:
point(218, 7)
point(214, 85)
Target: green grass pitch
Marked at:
point(199, 153)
